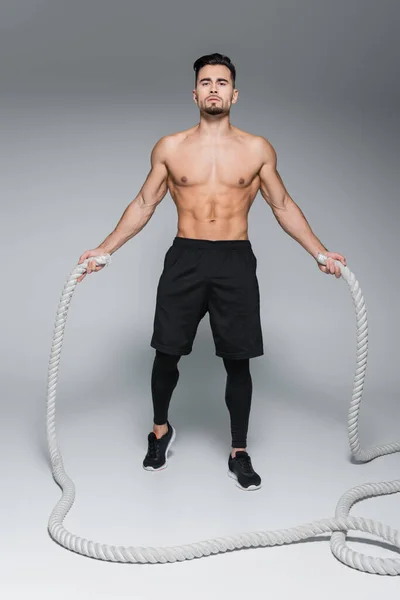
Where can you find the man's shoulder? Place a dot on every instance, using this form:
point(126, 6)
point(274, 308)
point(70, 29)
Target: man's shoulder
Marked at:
point(259, 141)
point(170, 141)
point(263, 147)
point(256, 141)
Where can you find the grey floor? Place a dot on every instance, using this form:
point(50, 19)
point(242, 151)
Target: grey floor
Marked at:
point(298, 444)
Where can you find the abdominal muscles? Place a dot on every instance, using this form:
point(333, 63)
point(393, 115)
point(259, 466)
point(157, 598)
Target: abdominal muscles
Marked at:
point(202, 216)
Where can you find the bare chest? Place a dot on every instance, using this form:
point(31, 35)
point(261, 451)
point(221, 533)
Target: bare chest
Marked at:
point(225, 165)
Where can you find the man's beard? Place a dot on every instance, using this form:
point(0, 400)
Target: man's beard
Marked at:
point(213, 109)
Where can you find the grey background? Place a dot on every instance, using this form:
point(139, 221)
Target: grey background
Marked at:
point(87, 88)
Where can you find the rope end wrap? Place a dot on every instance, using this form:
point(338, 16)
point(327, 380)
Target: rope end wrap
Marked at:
point(100, 259)
point(103, 259)
point(344, 270)
point(107, 259)
point(321, 258)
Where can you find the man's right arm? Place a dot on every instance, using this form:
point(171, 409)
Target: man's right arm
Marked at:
point(138, 213)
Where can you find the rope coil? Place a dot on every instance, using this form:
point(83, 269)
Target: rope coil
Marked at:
point(338, 525)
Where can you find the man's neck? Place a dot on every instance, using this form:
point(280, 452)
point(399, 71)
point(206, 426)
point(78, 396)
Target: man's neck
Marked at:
point(214, 126)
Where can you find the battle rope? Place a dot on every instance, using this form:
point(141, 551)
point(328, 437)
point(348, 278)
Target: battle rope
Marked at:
point(338, 525)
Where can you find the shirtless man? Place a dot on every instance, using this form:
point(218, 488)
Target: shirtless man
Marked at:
point(213, 172)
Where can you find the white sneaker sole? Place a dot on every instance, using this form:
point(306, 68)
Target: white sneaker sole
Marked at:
point(166, 455)
point(251, 488)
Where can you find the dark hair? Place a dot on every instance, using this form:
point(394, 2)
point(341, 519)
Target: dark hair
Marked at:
point(214, 59)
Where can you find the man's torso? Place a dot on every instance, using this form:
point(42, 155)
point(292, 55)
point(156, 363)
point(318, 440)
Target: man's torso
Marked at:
point(213, 183)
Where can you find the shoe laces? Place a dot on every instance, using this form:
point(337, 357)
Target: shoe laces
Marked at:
point(154, 447)
point(245, 463)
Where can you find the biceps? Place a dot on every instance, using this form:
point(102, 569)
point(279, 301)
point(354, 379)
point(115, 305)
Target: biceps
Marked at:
point(272, 187)
point(155, 187)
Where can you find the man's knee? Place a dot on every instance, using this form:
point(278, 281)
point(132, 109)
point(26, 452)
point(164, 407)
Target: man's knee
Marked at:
point(237, 367)
point(166, 361)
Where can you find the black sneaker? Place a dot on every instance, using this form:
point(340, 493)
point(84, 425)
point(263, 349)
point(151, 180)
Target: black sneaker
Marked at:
point(156, 457)
point(240, 468)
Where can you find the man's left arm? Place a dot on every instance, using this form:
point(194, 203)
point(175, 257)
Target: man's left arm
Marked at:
point(287, 213)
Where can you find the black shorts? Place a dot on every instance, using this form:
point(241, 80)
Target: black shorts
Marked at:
point(218, 277)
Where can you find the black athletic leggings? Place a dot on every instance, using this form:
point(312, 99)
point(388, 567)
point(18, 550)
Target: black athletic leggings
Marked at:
point(238, 392)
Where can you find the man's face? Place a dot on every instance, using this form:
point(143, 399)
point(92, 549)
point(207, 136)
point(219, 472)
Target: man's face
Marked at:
point(214, 81)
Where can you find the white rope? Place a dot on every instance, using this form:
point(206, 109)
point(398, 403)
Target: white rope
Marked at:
point(338, 525)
